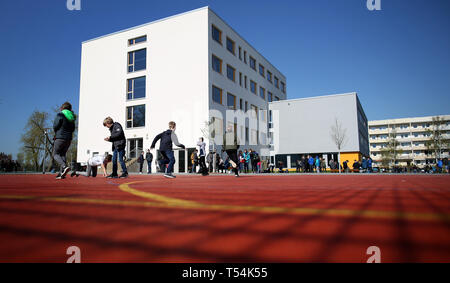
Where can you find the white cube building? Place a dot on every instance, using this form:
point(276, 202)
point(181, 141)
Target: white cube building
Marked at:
point(302, 127)
point(190, 68)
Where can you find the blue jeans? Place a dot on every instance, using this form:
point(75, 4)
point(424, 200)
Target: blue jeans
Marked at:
point(121, 154)
point(168, 158)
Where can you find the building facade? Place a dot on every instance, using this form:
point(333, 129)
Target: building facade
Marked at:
point(191, 68)
point(412, 135)
point(301, 127)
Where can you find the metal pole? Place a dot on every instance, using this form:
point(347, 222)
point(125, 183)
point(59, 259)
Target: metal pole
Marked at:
point(45, 152)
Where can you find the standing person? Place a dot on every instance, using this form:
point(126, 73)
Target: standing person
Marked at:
point(317, 164)
point(364, 165)
point(165, 147)
point(210, 159)
point(217, 155)
point(247, 161)
point(149, 158)
point(241, 161)
point(93, 163)
point(310, 164)
point(64, 126)
point(119, 142)
point(345, 166)
point(141, 160)
point(202, 153)
point(231, 145)
point(194, 161)
point(440, 164)
point(369, 165)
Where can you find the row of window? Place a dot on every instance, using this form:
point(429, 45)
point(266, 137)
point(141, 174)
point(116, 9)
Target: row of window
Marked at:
point(243, 80)
point(256, 136)
point(232, 103)
point(231, 47)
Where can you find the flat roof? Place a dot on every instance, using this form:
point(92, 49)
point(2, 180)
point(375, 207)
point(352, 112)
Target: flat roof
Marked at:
point(406, 120)
point(314, 97)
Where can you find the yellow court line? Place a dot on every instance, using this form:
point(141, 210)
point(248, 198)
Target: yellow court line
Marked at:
point(159, 201)
point(179, 203)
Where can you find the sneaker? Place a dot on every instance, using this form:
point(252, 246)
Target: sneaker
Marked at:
point(65, 171)
point(169, 175)
point(112, 176)
point(60, 177)
point(124, 175)
point(140, 173)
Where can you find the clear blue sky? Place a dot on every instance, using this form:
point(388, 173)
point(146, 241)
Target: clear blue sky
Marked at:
point(397, 59)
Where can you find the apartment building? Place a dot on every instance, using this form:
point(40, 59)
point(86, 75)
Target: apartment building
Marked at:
point(192, 68)
point(412, 135)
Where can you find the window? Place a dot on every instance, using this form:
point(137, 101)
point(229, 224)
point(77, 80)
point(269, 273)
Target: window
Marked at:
point(283, 87)
point(136, 116)
point(253, 86)
point(240, 78)
point(240, 53)
point(231, 46)
point(269, 76)
point(252, 63)
point(217, 64)
point(217, 34)
point(137, 60)
point(231, 101)
point(240, 104)
point(231, 73)
point(276, 83)
point(262, 71)
point(262, 93)
point(217, 95)
point(245, 57)
point(137, 40)
point(136, 88)
point(246, 134)
point(246, 106)
point(245, 81)
point(269, 96)
point(254, 110)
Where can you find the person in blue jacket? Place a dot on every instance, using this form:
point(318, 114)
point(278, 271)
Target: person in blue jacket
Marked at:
point(311, 163)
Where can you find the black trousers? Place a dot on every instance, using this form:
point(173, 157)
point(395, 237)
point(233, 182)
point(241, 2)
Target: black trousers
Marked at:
point(232, 153)
point(202, 164)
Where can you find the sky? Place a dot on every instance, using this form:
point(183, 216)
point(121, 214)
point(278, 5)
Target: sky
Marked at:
point(396, 59)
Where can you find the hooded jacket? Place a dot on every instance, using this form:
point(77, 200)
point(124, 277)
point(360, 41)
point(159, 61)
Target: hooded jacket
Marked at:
point(167, 138)
point(64, 125)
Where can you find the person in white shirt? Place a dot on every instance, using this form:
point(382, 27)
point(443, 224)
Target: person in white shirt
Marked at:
point(201, 155)
point(93, 163)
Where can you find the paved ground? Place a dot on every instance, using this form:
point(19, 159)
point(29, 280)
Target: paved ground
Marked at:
point(280, 218)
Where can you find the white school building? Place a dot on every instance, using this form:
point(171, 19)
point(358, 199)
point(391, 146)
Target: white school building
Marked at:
point(189, 68)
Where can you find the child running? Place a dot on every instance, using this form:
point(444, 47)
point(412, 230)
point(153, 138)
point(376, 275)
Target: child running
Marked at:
point(64, 126)
point(165, 147)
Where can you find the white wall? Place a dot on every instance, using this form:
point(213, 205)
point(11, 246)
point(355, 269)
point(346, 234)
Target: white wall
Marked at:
point(176, 78)
point(304, 125)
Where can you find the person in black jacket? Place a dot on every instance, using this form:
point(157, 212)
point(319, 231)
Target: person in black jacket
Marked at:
point(141, 160)
point(149, 158)
point(165, 147)
point(64, 126)
point(118, 146)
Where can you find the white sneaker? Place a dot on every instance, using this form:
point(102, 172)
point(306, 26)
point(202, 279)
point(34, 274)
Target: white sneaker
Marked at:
point(65, 171)
point(169, 175)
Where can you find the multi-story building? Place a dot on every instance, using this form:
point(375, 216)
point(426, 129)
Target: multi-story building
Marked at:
point(302, 127)
point(190, 68)
point(412, 136)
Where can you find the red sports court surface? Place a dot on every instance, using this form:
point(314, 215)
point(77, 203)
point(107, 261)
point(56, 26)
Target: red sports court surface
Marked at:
point(290, 218)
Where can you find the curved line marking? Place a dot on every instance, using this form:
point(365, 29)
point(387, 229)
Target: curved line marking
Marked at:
point(186, 204)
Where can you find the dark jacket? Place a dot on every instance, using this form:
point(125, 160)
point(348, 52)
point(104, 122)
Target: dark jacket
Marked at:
point(117, 137)
point(141, 159)
point(149, 157)
point(166, 138)
point(63, 127)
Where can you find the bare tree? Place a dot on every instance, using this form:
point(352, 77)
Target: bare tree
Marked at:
point(438, 142)
point(33, 139)
point(389, 154)
point(339, 137)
